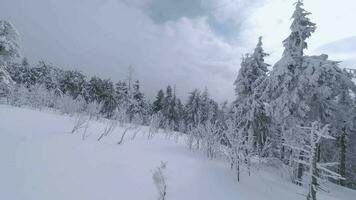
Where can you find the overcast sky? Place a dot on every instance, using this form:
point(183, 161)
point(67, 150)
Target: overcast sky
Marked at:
point(187, 43)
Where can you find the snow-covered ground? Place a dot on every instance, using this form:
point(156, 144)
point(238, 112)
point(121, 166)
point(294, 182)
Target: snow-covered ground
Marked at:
point(41, 160)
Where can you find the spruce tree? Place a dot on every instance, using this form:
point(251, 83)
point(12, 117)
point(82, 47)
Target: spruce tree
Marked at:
point(302, 89)
point(192, 110)
point(122, 95)
point(301, 29)
point(9, 47)
point(251, 120)
point(158, 104)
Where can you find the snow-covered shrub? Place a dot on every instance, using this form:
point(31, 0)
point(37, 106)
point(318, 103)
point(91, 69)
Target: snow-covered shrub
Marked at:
point(307, 146)
point(110, 126)
point(155, 122)
point(18, 96)
point(128, 127)
point(160, 181)
point(67, 105)
point(80, 121)
point(92, 109)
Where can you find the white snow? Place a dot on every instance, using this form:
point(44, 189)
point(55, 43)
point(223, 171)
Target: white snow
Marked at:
point(41, 160)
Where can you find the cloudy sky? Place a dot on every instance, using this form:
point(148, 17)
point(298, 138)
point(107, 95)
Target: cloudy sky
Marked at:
point(187, 43)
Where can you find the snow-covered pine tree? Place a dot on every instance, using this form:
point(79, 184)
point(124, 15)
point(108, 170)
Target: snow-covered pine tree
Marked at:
point(343, 124)
point(9, 47)
point(137, 109)
point(6, 82)
point(107, 98)
point(249, 111)
point(72, 82)
point(122, 96)
point(192, 109)
point(170, 109)
point(158, 104)
point(9, 51)
point(173, 113)
point(192, 116)
point(301, 29)
point(301, 89)
point(167, 104)
point(102, 92)
point(180, 115)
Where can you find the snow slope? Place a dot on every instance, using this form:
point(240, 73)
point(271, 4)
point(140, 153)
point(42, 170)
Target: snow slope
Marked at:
point(41, 160)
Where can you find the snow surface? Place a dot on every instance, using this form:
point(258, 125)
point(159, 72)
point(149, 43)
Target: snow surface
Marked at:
point(41, 160)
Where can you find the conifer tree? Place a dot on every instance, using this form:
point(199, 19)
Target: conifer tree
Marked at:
point(122, 95)
point(158, 104)
point(301, 89)
point(250, 114)
point(9, 47)
point(301, 29)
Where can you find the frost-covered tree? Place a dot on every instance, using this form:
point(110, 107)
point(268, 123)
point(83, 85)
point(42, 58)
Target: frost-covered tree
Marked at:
point(236, 148)
point(9, 47)
point(300, 91)
point(170, 108)
point(211, 133)
point(301, 29)
point(72, 83)
point(158, 104)
point(46, 74)
point(6, 82)
point(192, 109)
point(316, 171)
point(122, 96)
point(9, 51)
point(102, 92)
point(249, 111)
point(137, 110)
point(253, 67)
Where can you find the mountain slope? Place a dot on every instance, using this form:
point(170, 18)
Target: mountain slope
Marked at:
point(41, 160)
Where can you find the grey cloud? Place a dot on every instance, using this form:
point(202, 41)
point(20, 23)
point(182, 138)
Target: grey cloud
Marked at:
point(346, 45)
point(342, 50)
point(104, 37)
point(224, 17)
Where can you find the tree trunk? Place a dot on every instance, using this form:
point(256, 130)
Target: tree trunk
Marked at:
point(238, 170)
point(300, 170)
point(313, 170)
point(342, 161)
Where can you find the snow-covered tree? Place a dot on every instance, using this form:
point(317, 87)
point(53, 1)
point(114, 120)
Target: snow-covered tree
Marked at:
point(122, 94)
point(6, 83)
point(103, 92)
point(137, 110)
point(211, 133)
point(192, 109)
point(72, 83)
point(9, 47)
point(301, 89)
point(253, 68)
point(236, 148)
point(310, 138)
point(249, 111)
point(158, 104)
point(301, 29)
